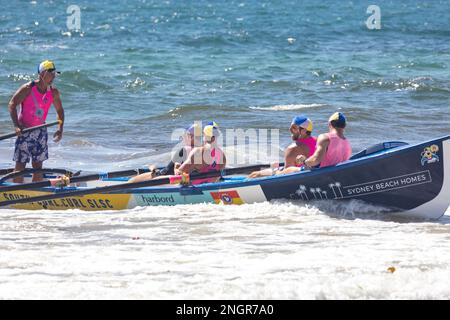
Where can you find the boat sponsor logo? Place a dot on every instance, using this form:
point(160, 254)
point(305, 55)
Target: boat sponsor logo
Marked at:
point(338, 191)
point(155, 199)
point(227, 197)
point(64, 203)
point(429, 155)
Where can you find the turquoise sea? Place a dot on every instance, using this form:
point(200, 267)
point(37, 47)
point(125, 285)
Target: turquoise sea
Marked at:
point(137, 70)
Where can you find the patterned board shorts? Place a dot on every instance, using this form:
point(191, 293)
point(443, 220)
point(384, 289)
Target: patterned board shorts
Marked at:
point(32, 145)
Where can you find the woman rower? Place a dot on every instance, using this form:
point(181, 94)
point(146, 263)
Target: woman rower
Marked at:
point(201, 159)
point(206, 158)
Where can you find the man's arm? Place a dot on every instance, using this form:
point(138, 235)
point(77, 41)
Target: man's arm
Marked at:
point(189, 164)
point(60, 112)
point(292, 152)
point(321, 148)
point(17, 99)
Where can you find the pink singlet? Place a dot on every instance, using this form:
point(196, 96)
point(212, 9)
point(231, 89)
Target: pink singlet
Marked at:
point(310, 142)
point(339, 150)
point(214, 166)
point(34, 109)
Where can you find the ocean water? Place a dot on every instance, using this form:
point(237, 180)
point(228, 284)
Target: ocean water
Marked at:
point(137, 70)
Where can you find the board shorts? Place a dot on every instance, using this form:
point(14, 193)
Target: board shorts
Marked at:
point(32, 145)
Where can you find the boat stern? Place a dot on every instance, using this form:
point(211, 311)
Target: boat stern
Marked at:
point(436, 207)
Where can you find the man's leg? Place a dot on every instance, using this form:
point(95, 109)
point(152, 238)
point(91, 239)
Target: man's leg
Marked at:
point(39, 154)
point(21, 155)
point(37, 176)
point(19, 167)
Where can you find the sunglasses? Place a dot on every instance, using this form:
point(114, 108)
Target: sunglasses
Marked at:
point(52, 71)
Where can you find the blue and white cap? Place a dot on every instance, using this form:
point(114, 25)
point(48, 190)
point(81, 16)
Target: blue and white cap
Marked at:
point(47, 65)
point(303, 122)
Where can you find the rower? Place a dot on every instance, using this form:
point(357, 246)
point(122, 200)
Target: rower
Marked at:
point(304, 144)
point(201, 159)
point(206, 158)
point(191, 139)
point(332, 147)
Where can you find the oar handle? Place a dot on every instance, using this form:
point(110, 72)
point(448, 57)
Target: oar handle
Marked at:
point(45, 125)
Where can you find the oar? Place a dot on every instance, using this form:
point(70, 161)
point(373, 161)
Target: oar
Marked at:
point(45, 125)
point(11, 173)
point(15, 174)
point(6, 171)
point(134, 185)
point(90, 177)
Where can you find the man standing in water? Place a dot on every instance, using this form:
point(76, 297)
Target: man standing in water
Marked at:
point(35, 99)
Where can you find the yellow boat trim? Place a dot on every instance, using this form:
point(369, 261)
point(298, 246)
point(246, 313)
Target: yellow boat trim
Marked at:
point(92, 202)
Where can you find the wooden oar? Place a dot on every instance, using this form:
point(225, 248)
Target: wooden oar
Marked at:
point(135, 185)
point(89, 177)
point(45, 125)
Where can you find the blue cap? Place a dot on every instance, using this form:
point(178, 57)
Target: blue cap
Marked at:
point(194, 129)
point(303, 122)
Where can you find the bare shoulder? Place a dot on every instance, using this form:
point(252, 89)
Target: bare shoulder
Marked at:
point(323, 138)
point(21, 93)
point(194, 151)
point(27, 85)
point(291, 146)
point(25, 88)
point(197, 150)
point(294, 148)
point(55, 91)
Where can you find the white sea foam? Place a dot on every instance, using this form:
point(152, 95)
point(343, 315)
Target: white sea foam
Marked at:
point(289, 107)
point(281, 250)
